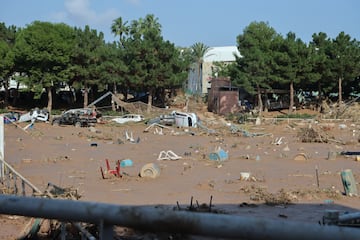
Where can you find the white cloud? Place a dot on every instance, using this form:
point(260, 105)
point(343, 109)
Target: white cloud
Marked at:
point(81, 13)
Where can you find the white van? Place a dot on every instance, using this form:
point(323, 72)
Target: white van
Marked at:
point(185, 119)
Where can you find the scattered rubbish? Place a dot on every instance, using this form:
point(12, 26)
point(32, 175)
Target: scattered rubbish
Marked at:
point(93, 144)
point(244, 176)
point(29, 126)
point(126, 163)
point(245, 133)
point(203, 127)
point(150, 170)
point(130, 138)
point(278, 141)
point(218, 155)
point(349, 183)
point(127, 118)
point(187, 154)
point(60, 192)
point(348, 153)
point(200, 207)
point(257, 158)
point(158, 125)
point(301, 157)
point(314, 134)
point(168, 155)
point(165, 119)
point(342, 126)
point(158, 132)
point(332, 155)
point(286, 148)
point(115, 172)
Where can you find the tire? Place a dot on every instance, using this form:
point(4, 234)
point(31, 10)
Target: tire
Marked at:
point(77, 124)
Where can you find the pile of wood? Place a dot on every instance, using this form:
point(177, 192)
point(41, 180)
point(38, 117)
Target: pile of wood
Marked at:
point(310, 135)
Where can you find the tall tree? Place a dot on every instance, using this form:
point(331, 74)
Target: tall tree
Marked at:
point(120, 28)
point(345, 57)
point(319, 48)
point(253, 70)
point(45, 49)
point(85, 60)
point(7, 63)
point(291, 62)
point(112, 67)
point(153, 63)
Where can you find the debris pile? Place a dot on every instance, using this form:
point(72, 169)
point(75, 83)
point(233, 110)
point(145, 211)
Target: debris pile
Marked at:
point(312, 135)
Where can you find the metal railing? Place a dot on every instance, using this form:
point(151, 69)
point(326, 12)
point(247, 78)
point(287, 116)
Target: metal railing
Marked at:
point(155, 219)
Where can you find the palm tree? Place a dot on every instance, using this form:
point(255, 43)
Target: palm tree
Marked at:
point(198, 53)
point(120, 28)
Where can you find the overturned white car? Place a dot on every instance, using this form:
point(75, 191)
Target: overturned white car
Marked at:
point(35, 115)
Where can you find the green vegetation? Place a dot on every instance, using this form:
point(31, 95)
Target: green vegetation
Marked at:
point(46, 57)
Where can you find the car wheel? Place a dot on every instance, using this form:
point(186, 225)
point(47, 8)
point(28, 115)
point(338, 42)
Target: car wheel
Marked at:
point(78, 124)
point(56, 123)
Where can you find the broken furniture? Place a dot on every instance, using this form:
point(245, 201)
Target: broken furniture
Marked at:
point(168, 155)
point(115, 172)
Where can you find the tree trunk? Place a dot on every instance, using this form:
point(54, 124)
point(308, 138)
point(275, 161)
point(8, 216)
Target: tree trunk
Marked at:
point(291, 97)
point(150, 101)
point(16, 95)
point(6, 98)
point(86, 96)
point(259, 101)
point(340, 90)
point(50, 102)
point(112, 102)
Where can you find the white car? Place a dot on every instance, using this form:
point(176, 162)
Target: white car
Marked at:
point(35, 115)
point(129, 118)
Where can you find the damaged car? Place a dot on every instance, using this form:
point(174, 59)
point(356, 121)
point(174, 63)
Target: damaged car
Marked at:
point(75, 119)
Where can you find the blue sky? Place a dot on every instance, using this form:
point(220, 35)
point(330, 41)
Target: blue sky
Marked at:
point(185, 22)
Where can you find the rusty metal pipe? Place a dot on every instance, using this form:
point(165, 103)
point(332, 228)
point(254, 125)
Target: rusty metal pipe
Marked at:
point(157, 219)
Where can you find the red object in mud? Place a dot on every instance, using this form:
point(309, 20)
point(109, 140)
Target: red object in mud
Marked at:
point(115, 172)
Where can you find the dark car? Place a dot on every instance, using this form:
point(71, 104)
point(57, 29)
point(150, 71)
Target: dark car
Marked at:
point(75, 119)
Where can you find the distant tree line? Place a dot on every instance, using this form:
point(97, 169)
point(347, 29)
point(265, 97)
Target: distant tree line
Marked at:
point(271, 61)
point(48, 56)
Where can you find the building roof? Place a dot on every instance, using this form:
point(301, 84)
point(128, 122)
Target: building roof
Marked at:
point(221, 54)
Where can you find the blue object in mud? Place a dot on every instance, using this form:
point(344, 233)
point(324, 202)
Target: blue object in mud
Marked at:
point(126, 163)
point(219, 155)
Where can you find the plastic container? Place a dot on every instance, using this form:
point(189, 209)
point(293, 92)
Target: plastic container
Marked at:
point(150, 170)
point(126, 163)
point(349, 183)
point(219, 155)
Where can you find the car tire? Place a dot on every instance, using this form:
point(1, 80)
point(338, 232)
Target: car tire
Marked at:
point(78, 124)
